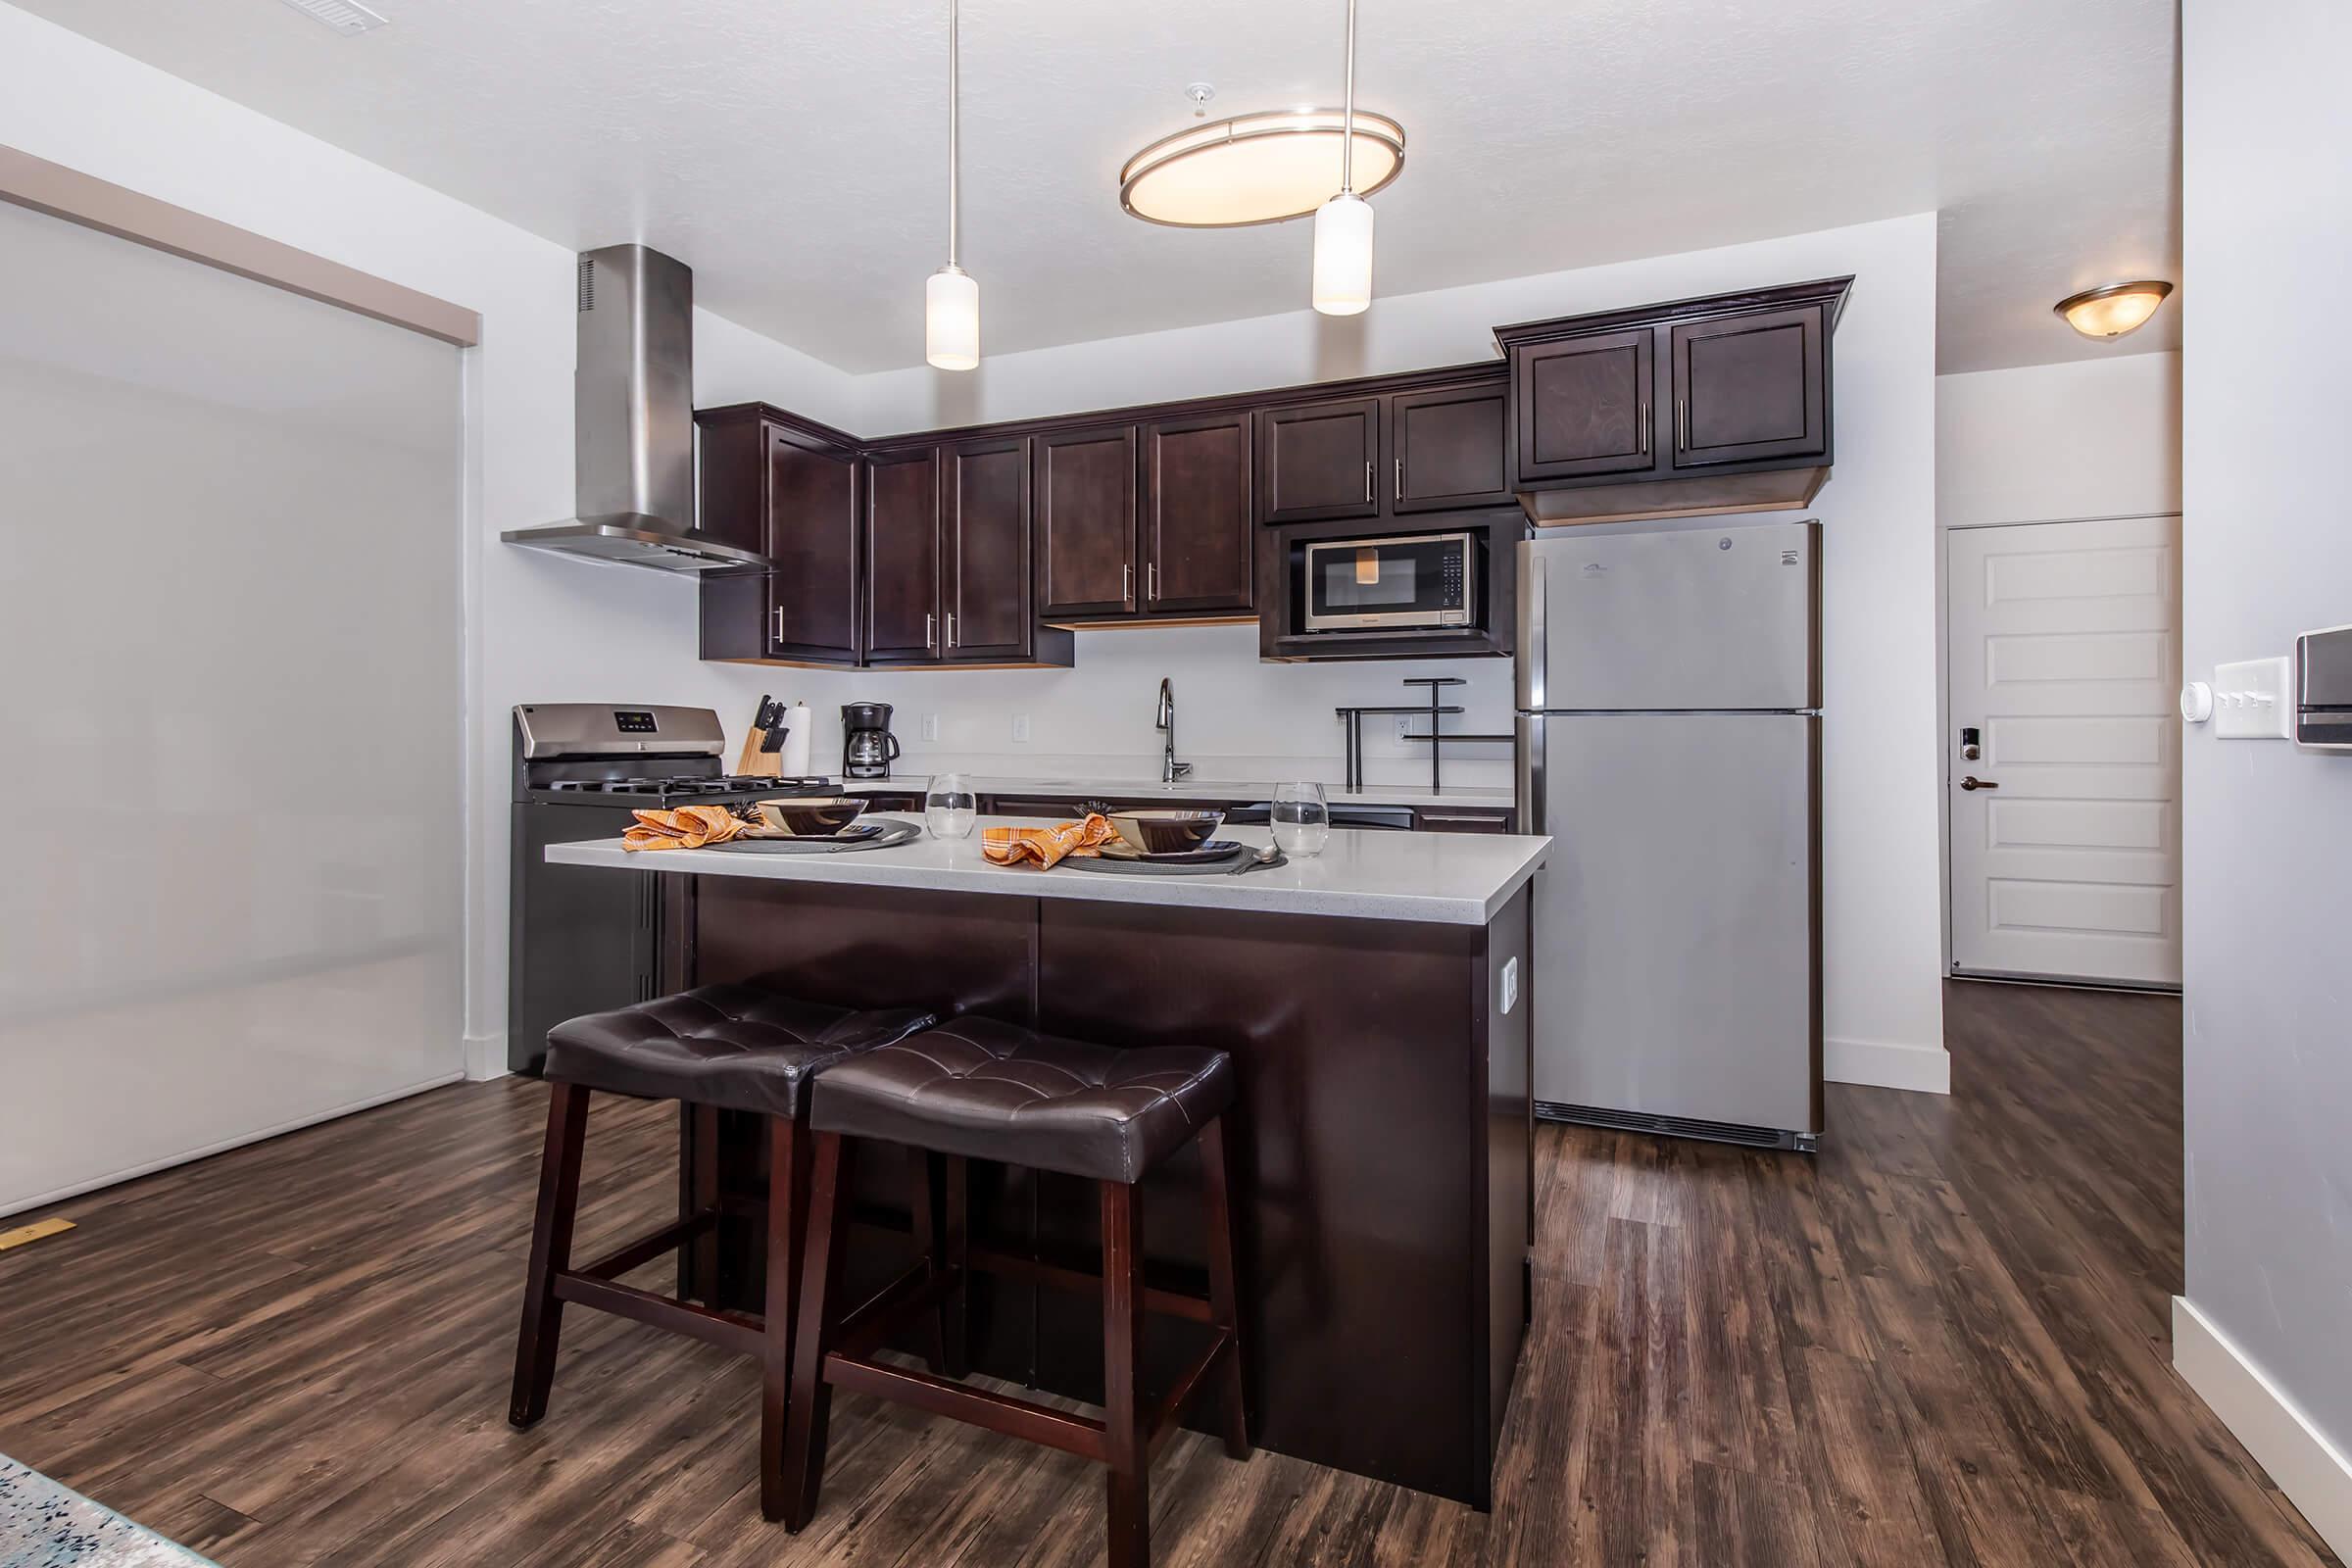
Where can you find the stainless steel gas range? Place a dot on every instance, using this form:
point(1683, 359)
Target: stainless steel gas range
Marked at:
point(584, 940)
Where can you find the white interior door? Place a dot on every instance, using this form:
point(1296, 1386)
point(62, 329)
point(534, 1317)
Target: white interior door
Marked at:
point(2066, 823)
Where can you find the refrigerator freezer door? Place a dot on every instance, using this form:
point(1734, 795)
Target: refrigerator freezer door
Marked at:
point(1677, 926)
point(1708, 618)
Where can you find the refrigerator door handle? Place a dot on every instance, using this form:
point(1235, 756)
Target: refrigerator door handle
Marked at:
point(1535, 591)
point(1530, 814)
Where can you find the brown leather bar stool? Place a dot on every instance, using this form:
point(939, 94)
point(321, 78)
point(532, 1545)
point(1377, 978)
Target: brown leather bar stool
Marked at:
point(983, 1090)
point(716, 1048)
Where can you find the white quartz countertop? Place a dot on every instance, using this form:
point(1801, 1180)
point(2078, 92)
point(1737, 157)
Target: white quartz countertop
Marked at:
point(1184, 789)
point(1439, 878)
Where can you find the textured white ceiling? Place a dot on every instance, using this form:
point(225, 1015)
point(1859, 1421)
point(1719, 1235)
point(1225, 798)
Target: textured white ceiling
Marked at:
point(792, 151)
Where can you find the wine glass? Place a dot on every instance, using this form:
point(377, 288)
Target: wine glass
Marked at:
point(1301, 820)
point(949, 807)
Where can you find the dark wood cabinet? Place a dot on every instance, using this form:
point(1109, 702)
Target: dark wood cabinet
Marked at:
point(1199, 538)
point(1318, 460)
point(1722, 404)
point(787, 488)
point(985, 551)
point(902, 555)
point(1083, 483)
point(1751, 386)
point(1450, 448)
point(1585, 405)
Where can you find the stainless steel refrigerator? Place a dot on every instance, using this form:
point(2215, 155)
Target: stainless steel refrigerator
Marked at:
point(1669, 739)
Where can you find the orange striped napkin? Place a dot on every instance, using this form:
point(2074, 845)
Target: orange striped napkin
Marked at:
point(688, 827)
point(1047, 845)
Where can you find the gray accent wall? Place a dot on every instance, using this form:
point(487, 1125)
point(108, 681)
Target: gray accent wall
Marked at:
point(2267, 554)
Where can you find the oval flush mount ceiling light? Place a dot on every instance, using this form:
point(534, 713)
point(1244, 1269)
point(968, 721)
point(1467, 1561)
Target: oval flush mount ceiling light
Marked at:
point(1256, 168)
point(2112, 310)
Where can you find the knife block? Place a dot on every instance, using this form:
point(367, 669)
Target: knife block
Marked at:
point(753, 762)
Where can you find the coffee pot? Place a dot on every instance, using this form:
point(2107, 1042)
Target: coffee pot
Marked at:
point(867, 746)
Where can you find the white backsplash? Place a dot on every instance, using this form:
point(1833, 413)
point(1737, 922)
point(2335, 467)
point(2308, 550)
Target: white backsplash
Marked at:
point(1236, 718)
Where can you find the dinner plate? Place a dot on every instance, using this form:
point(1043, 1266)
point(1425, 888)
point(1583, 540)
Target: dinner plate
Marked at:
point(1213, 850)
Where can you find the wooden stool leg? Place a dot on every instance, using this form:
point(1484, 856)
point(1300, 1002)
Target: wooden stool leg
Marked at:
point(699, 1265)
point(1223, 1300)
point(787, 1217)
point(820, 1280)
point(930, 1246)
point(954, 1308)
point(551, 1253)
point(1128, 1444)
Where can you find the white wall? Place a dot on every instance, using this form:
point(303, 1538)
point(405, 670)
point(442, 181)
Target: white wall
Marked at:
point(1882, 861)
point(538, 629)
point(2093, 438)
point(2268, 829)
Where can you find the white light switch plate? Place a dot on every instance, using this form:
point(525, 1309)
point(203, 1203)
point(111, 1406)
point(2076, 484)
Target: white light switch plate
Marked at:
point(2249, 701)
point(1020, 728)
point(930, 726)
point(1511, 984)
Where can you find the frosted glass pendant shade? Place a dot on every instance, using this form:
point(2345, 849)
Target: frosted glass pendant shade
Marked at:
point(952, 319)
point(1344, 255)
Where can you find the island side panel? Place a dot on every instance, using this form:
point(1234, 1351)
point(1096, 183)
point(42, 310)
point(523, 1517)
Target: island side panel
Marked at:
point(1507, 1107)
point(1362, 1168)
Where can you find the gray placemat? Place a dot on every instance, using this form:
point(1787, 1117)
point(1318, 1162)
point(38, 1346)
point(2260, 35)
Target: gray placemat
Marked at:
point(891, 837)
point(1242, 854)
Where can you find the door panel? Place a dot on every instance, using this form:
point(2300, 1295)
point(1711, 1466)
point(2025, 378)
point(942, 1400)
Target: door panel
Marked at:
point(1584, 406)
point(1200, 545)
point(1317, 461)
point(1450, 450)
point(812, 535)
point(1085, 484)
point(1747, 387)
point(1677, 939)
point(988, 551)
point(1701, 618)
point(902, 557)
point(2065, 660)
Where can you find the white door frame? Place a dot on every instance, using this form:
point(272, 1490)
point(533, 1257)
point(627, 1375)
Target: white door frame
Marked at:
point(1946, 758)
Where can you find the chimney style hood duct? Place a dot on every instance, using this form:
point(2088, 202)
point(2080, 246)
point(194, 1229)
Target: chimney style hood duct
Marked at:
point(632, 401)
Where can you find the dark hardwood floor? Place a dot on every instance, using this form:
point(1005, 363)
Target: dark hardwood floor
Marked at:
point(1947, 1340)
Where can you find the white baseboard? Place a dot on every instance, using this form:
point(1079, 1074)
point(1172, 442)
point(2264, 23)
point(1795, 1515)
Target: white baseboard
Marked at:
point(1922, 1069)
point(2312, 1471)
point(486, 1056)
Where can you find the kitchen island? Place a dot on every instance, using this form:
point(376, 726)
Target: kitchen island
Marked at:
point(1376, 1003)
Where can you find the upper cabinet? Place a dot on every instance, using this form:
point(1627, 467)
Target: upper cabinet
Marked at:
point(1318, 460)
point(1083, 483)
point(1199, 546)
point(902, 554)
point(983, 553)
point(1721, 404)
point(1449, 448)
point(787, 488)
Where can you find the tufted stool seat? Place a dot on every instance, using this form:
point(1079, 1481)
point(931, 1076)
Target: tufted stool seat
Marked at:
point(735, 1047)
point(716, 1048)
point(988, 1090)
point(981, 1089)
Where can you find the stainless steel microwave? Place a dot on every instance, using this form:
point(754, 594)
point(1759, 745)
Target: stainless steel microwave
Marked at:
point(1421, 579)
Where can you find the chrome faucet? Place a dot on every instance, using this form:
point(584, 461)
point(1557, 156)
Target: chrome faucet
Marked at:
point(1170, 770)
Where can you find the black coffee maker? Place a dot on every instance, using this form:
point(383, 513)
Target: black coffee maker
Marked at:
point(867, 746)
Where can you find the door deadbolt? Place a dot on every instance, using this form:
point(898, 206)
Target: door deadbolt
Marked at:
point(1970, 746)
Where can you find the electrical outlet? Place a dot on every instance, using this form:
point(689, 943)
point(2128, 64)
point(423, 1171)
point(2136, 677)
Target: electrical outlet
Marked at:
point(930, 726)
point(1405, 726)
point(1020, 728)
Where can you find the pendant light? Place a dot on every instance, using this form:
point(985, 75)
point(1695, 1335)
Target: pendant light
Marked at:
point(951, 296)
point(1343, 223)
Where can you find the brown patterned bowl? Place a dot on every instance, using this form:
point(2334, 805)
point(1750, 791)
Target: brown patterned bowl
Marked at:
point(810, 816)
point(1164, 830)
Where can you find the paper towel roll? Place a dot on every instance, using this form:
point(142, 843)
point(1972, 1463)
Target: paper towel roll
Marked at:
point(794, 761)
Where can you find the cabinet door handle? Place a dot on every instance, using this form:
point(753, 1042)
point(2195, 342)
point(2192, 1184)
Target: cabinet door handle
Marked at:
point(1400, 478)
point(779, 619)
point(1642, 423)
point(1681, 440)
point(930, 620)
point(950, 632)
point(1152, 581)
point(1127, 581)
point(1367, 479)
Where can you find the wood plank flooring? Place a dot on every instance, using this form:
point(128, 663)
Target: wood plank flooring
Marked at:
point(1947, 1340)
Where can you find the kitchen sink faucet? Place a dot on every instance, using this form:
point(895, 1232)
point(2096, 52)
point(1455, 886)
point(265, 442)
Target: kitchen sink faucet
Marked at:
point(1170, 770)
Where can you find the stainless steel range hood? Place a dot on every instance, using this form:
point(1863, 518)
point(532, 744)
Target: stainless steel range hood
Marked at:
point(632, 400)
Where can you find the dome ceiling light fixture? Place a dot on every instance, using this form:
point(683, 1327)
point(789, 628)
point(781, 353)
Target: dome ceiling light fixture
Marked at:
point(1263, 167)
point(2113, 310)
